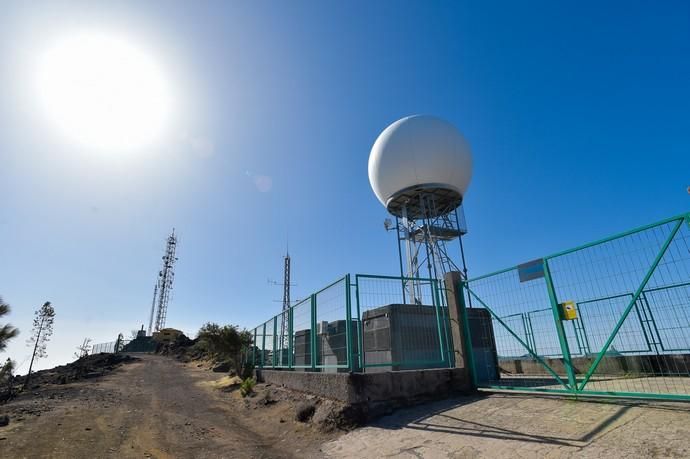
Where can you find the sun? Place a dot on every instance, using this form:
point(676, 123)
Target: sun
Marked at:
point(103, 92)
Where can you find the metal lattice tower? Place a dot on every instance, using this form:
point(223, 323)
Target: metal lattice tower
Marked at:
point(425, 238)
point(165, 280)
point(286, 302)
point(153, 309)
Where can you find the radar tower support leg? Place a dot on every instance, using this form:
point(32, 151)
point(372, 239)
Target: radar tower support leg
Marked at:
point(412, 269)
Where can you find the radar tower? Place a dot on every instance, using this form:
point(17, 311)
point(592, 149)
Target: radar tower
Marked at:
point(420, 168)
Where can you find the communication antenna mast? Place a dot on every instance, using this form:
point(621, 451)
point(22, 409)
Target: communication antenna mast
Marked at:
point(165, 280)
point(286, 301)
point(153, 309)
point(286, 284)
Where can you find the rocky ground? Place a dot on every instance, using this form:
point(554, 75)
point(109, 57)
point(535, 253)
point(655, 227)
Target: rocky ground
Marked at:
point(158, 407)
point(155, 406)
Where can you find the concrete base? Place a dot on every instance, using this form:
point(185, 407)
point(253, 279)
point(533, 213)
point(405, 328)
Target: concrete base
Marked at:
point(374, 394)
point(659, 365)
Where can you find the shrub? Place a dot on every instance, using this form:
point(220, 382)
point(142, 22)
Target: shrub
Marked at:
point(225, 342)
point(247, 387)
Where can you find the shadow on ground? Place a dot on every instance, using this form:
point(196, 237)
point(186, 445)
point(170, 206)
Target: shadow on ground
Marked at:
point(443, 417)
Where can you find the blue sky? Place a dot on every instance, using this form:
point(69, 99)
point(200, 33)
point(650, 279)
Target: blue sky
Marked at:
point(577, 116)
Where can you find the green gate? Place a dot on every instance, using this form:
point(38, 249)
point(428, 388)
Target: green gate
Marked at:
point(607, 318)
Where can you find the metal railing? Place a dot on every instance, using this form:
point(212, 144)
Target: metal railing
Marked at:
point(640, 334)
point(631, 336)
point(108, 347)
point(365, 325)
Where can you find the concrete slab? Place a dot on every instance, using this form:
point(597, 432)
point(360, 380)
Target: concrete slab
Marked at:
point(507, 425)
point(679, 385)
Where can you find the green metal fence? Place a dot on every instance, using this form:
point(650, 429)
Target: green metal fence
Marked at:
point(359, 323)
point(631, 334)
point(146, 344)
point(108, 348)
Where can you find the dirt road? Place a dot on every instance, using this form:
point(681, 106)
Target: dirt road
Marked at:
point(158, 407)
point(151, 408)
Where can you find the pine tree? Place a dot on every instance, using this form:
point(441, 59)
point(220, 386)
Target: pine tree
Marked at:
point(40, 335)
point(7, 331)
point(6, 380)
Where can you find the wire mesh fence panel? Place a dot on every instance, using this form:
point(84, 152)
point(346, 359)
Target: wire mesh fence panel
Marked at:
point(515, 316)
point(256, 350)
point(402, 323)
point(282, 340)
point(357, 328)
point(596, 314)
point(668, 314)
point(331, 326)
point(504, 345)
point(301, 334)
point(632, 297)
point(260, 357)
point(545, 336)
point(103, 347)
point(267, 343)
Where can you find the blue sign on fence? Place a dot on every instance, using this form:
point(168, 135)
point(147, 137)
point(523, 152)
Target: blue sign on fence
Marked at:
point(531, 270)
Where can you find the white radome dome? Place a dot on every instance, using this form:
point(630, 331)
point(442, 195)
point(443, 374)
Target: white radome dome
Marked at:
point(420, 154)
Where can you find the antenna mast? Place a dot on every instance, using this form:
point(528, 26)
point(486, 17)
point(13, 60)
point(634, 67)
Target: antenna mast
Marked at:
point(286, 298)
point(165, 280)
point(153, 309)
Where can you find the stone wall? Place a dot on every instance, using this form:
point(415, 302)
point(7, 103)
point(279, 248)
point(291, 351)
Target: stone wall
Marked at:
point(374, 393)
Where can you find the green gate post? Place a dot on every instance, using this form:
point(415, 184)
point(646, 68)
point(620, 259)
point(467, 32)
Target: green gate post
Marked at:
point(469, 352)
point(275, 332)
point(442, 339)
point(263, 345)
point(313, 331)
point(450, 346)
point(290, 334)
point(438, 320)
point(348, 326)
point(565, 349)
point(360, 332)
point(254, 349)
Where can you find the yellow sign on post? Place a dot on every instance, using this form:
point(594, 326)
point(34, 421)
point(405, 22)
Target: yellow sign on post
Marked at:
point(568, 310)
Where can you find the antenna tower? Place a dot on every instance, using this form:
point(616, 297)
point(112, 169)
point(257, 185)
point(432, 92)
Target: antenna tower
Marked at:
point(286, 302)
point(165, 280)
point(153, 308)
